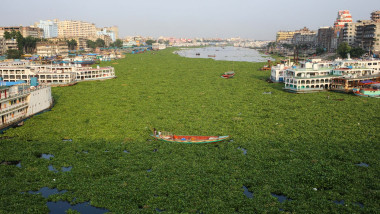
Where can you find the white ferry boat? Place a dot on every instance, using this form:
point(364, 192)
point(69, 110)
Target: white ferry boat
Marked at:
point(19, 101)
point(55, 75)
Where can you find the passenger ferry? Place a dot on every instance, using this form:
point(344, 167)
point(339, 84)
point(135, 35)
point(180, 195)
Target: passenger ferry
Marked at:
point(19, 101)
point(55, 75)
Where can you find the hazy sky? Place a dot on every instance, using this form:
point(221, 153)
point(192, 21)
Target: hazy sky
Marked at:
point(251, 19)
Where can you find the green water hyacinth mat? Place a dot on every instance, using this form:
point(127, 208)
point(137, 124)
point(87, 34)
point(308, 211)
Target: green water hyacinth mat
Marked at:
point(299, 153)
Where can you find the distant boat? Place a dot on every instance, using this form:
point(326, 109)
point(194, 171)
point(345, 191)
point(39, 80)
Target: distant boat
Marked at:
point(197, 54)
point(211, 55)
point(228, 75)
point(188, 139)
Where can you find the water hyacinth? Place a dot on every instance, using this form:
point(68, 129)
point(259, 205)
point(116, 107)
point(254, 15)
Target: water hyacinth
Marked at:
point(299, 145)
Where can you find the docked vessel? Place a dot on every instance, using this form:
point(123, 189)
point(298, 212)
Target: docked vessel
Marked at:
point(373, 90)
point(19, 101)
point(228, 75)
point(189, 139)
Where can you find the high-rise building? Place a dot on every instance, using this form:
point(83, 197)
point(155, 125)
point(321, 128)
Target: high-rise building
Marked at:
point(375, 16)
point(324, 38)
point(50, 28)
point(69, 29)
point(343, 18)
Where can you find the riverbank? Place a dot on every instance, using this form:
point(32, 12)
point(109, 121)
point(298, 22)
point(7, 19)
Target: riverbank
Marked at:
point(320, 154)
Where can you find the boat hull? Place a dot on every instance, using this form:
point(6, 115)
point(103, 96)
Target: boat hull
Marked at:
point(186, 139)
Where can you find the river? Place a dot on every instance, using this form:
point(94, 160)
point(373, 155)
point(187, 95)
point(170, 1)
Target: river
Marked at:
point(228, 53)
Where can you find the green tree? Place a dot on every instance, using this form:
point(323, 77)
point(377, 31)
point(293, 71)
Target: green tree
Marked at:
point(14, 54)
point(72, 44)
point(118, 43)
point(357, 52)
point(149, 42)
point(320, 51)
point(343, 49)
point(7, 35)
point(91, 44)
point(30, 44)
point(100, 43)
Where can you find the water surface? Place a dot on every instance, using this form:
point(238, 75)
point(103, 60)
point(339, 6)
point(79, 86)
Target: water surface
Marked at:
point(228, 53)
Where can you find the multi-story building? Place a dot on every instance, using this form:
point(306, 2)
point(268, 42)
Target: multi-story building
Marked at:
point(50, 28)
point(368, 37)
point(52, 49)
point(348, 33)
point(105, 32)
point(284, 35)
point(25, 31)
point(305, 37)
point(69, 29)
point(324, 37)
point(343, 18)
point(375, 16)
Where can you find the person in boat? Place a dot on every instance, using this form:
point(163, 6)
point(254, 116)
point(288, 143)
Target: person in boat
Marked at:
point(159, 133)
point(155, 131)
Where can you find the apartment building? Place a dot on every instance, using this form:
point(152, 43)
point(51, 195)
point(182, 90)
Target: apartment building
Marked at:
point(25, 31)
point(375, 16)
point(70, 29)
point(324, 38)
point(284, 35)
point(50, 28)
point(49, 49)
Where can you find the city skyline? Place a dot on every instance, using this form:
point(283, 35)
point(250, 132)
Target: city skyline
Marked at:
point(222, 19)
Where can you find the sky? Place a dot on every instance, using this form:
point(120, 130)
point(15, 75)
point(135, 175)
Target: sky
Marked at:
point(248, 19)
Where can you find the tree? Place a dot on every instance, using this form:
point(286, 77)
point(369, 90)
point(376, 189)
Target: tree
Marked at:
point(320, 51)
point(7, 35)
point(72, 44)
point(149, 42)
point(30, 44)
point(343, 49)
point(13, 54)
point(118, 43)
point(91, 44)
point(100, 43)
point(357, 52)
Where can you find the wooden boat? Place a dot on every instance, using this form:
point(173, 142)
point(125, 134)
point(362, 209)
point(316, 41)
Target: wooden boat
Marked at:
point(188, 139)
point(228, 74)
point(372, 90)
point(367, 92)
point(211, 55)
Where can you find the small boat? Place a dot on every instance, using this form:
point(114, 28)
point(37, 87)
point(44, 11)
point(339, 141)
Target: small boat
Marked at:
point(197, 54)
point(188, 139)
point(372, 91)
point(211, 55)
point(228, 74)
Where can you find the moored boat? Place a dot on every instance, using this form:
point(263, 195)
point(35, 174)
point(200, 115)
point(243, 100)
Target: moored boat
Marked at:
point(372, 91)
point(189, 139)
point(212, 55)
point(228, 74)
point(367, 92)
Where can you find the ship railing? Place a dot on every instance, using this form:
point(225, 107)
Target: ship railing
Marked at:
point(13, 108)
